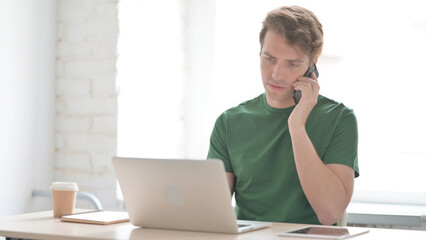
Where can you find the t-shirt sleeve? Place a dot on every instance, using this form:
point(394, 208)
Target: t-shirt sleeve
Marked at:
point(218, 143)
point(343, 147)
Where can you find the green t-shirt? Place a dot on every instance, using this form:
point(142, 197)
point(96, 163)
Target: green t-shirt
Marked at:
point(254, 143)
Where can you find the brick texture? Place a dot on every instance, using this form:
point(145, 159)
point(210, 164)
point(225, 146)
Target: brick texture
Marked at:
point(86, 106)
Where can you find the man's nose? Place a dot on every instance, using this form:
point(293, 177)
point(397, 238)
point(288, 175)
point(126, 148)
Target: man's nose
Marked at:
point(278, 72)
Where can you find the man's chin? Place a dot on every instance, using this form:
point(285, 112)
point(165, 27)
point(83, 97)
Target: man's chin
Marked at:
point(279, 100)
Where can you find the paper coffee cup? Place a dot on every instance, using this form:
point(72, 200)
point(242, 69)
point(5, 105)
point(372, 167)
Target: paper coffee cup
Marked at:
point(63, 198)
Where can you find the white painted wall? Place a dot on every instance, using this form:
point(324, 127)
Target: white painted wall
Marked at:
point(27, 73)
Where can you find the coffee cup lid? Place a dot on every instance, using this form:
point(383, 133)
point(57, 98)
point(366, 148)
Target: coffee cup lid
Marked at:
point(64, 186)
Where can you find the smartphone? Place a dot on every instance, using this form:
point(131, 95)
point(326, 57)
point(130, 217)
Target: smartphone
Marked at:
point(297, 95)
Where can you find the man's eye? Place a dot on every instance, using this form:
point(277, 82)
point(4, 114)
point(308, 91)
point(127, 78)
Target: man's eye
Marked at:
point(269, 59)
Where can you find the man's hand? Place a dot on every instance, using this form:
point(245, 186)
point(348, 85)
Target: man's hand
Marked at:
point(310, 90)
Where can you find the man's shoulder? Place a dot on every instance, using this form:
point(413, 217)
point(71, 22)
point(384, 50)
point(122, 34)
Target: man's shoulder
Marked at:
point(327, 104)
point(329, 108)
point(246, 106)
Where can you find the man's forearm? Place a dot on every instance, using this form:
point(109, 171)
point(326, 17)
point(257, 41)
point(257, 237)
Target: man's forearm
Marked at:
point(324, 189)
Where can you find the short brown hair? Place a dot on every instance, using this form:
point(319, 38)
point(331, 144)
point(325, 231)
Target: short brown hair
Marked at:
point(298, 25)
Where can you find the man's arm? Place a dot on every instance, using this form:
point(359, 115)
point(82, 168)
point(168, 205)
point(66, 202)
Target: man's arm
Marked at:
point(328, 188)
point(231, 181)
point(218, 148)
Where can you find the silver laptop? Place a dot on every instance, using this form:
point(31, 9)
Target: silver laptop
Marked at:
point(179, 194)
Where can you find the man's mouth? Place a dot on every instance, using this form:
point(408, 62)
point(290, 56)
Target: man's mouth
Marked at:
point(275, 86)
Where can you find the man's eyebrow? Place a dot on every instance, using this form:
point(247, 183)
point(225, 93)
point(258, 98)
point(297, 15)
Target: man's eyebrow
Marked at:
point(287, 60)
point(267, 54)
point(295, 60)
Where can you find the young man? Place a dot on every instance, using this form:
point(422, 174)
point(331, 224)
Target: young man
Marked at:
point(289, 162)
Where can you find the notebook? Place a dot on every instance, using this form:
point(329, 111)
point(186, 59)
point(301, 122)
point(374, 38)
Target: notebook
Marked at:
point(179, 194)
point(97, 217)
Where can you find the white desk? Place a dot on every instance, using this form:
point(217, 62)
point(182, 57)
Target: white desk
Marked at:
point(41, 225)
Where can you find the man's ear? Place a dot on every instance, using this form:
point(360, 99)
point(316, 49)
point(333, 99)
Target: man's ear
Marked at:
point(315, 60)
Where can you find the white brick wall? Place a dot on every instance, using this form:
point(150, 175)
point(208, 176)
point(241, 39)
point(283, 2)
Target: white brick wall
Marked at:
point(86, 106)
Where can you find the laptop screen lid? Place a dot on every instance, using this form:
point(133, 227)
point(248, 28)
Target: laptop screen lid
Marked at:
point(177, 194)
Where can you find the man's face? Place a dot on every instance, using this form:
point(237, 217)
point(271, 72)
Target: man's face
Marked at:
point(280, 66)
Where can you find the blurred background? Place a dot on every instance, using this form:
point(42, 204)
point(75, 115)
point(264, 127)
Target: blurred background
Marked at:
point(87, 80)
